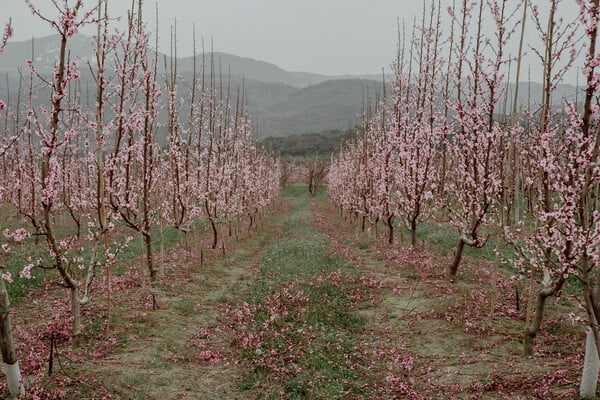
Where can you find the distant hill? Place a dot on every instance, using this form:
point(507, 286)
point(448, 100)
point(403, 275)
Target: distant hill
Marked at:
point(320, 145)
point(330, 105)
point(45, 51)
point(281, 103)
point(250, 68)
point(308, 78)
point(531, 92)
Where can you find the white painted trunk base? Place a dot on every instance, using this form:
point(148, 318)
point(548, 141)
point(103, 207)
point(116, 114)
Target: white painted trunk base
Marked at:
point(13, 377)
point(591, 367)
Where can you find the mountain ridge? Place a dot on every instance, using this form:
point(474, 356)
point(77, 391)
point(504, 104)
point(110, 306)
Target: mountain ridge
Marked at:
point(40, 49)
point(280, 102)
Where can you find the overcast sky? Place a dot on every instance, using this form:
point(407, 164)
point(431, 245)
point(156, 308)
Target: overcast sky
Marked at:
point(331, 37)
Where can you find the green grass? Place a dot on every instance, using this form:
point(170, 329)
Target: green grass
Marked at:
point(299, 256)
point(186, 306)
point(28, 251)
point(443, 241)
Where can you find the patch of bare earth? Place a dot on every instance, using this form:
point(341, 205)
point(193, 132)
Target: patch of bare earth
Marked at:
point(465, 338)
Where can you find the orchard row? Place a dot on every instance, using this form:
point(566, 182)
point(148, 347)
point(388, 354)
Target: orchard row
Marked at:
point(81, 174)
point(451, 145)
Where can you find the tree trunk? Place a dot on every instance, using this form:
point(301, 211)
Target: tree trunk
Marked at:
point(413, 234)
point(390, 224)
point(75, 311)
point(149, 256)
point(7, 346)
point(534, 326)
point(78, 223)
point(454, 267)
point(187, 247)
point(215, 233)
point(546, 291)
point(161, 267)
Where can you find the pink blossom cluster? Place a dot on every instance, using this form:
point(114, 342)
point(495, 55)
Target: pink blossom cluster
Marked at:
point(7, 34)
point(17, 235)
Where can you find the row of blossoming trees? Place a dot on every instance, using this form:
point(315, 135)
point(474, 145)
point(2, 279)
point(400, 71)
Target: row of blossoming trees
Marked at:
point(82, 172)
point(446, 146)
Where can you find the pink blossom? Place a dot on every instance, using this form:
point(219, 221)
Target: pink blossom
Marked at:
point(8, 32)
point(7, 276)
point(26, 272)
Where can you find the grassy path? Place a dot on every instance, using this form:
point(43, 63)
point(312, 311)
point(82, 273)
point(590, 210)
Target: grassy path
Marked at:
point(302, 327)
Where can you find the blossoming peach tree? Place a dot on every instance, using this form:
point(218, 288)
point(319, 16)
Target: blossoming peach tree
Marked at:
point(9, 355)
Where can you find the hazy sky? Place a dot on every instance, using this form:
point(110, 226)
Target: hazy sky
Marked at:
point(323, 36)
